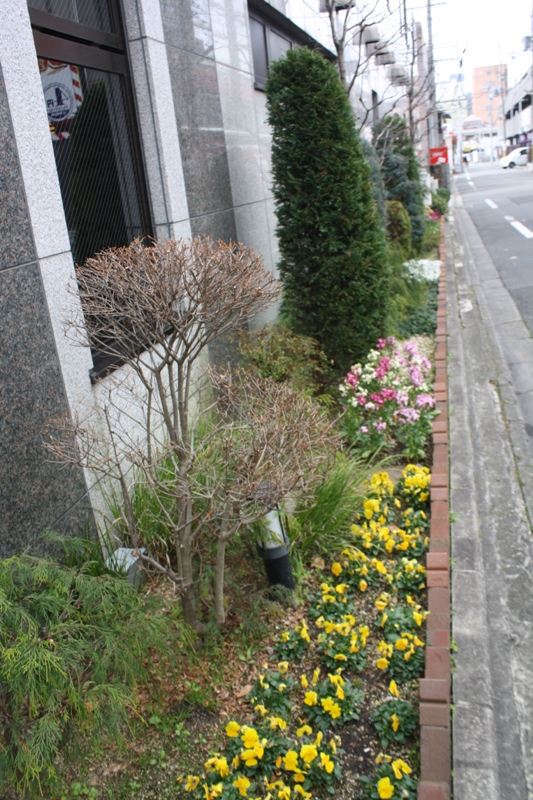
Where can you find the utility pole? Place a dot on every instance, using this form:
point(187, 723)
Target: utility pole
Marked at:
point(432, 121)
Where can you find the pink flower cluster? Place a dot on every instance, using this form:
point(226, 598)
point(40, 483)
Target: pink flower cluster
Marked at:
point(388, 392)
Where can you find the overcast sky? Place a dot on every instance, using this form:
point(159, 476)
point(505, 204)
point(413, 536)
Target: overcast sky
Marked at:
point(486, 28)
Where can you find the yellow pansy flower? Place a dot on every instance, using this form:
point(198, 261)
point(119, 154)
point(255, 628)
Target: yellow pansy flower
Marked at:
point(283, 666)
point(363, 586)
point(316, 675)
point(308, 753)
point(249, 737)
point(324, 588)
point(319, 737)
point(395, 723)
point(290, 760)
point(399, 766)
point(336, 569)
point(305, 729)
point(341, 657)
point(326, 763)
point(393, 689)
point(232, 729)
point(242, 784)
point(385, 788)
point(285, 636)
point(304, 682)
point(340, 693)
point(303, 794)
point(311, 699)
point(382, 663)
point(260, 709)
point(382, 602)
point(401, 644)
point(277, 722)
point(192, 783)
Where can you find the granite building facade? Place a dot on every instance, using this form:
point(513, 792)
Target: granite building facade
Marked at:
point(118, 118)
point(203, 153)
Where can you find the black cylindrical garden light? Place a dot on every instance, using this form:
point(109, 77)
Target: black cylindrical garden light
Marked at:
point(274, 545)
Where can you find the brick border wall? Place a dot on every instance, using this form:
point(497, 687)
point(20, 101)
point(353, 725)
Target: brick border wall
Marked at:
point(435, 724)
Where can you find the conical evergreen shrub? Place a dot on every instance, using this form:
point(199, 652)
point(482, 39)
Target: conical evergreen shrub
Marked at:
point(401, 171)
point(333, 253)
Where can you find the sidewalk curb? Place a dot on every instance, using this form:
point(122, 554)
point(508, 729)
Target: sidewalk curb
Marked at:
point(434, 687)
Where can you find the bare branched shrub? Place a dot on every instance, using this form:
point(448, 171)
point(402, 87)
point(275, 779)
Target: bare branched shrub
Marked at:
point(157, 308)
point(270, 441)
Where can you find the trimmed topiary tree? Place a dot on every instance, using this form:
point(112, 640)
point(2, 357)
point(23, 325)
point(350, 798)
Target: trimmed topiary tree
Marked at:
point(401, 171)
point(334, 264)
point(376, 178)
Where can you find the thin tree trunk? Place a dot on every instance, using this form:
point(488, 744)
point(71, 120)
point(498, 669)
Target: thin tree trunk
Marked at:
point(219, 582)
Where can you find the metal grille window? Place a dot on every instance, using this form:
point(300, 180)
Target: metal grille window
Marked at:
point(87, 118)
point(93, 13)
point(88, 99)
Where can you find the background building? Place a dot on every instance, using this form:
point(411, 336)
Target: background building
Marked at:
point(519, 113)
point(490, 88)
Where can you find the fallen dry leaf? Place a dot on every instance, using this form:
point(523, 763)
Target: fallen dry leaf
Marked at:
point(318, 562)
point(244, 691)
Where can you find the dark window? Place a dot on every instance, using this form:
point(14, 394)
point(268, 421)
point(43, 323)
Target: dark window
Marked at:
point(259, 50)
point(268, 44)
point(375, 104)
point(88, 99)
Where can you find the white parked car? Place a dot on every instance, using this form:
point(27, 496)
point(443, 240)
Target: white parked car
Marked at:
point(516, 158)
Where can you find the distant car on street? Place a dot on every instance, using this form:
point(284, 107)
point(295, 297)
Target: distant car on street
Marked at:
point(516, 158)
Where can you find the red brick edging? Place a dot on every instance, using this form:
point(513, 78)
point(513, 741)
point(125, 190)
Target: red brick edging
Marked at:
point(435, 724)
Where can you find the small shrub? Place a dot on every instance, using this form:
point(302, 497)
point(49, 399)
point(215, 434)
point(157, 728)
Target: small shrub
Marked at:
point(440, 200)
point(399, 226)
point(331, 702)
point(279, 353)
point(395, 721)
point(393, 778)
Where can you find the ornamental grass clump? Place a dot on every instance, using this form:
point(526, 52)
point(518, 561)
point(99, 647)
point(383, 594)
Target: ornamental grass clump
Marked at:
point(388, 401)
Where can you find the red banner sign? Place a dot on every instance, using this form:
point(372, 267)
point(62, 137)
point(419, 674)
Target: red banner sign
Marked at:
point(438, 155)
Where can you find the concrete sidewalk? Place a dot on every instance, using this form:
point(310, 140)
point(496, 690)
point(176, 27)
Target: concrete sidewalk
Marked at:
point(492, 545)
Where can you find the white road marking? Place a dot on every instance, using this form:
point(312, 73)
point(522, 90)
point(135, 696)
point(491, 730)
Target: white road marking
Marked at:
point(491, 203)
point(522, 229)
point(465, 305)
point(509, 219)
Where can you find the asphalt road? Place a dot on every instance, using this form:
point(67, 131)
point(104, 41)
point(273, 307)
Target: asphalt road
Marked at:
point(510, 192)
point(490, 379)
